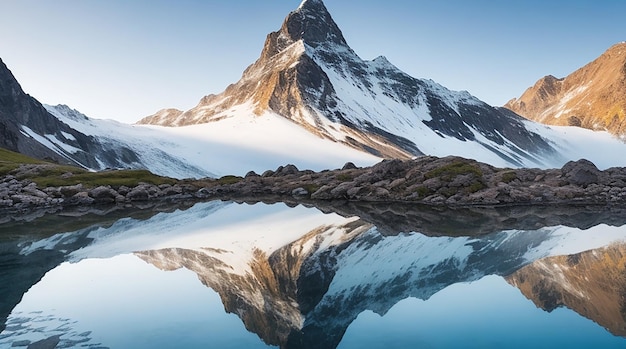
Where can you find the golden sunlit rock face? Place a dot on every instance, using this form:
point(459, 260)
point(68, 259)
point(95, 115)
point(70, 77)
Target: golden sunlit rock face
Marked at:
point(592, 97)
point(591, 283)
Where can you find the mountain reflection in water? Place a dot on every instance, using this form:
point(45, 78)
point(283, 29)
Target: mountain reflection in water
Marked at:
point(300, 278)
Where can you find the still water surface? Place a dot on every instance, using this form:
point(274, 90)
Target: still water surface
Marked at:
point(227, 275)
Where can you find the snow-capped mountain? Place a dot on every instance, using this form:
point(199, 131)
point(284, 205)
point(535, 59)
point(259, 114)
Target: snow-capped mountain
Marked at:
point(309, 100)
point(308, 74)
point(64, 135)
point(298, 277)
point(592, 97)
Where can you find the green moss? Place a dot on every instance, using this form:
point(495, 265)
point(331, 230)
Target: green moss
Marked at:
point(449, 171)
point(475, 187)
point(54, 175)
point(447, 192)
point(423, 191)
point(311, 188)
point(508, 176)
point(226, 180)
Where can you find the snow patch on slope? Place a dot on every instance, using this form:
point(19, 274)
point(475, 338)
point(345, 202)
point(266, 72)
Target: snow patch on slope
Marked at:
point(575, 143)
point(238, 143)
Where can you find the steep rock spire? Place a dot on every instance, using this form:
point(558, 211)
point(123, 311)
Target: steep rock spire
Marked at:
point(310, 22)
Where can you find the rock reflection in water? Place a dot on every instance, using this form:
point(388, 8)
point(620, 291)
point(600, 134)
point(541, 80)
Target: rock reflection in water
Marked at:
point(307, 293)
point(592, 283)
point(299, 278)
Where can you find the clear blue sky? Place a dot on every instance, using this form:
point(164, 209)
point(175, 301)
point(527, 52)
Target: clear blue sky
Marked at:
point(126, 59)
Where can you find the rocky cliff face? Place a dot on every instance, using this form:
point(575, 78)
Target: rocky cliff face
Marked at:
point(308, 74)
point(21, 113)
point(592, 97)
point(591, 283)
point(27, 127)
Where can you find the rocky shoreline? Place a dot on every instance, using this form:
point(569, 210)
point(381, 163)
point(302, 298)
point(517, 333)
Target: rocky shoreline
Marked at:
point(450, 181)
point(24, 195)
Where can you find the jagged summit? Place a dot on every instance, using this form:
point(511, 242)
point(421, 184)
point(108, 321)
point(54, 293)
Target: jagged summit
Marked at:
point(313, 23)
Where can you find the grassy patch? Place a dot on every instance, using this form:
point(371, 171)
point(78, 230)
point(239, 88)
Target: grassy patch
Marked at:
point(226, 180)
point(311, 188)
point(53, 175)
point(344, 177)
point(9, 161)
point(475, 187)
point(423, 191)
point(508, 177)
point(129, 178)
point(449, 171)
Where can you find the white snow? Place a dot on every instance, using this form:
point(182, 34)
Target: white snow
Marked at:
point(236, 230)
point(66, 147)
point(244, 142)
point(566, 241)
point(50, 142)
point(237, 144)
point(68, 136)
point(575, 143)
point(559, 108)
point(393, 256)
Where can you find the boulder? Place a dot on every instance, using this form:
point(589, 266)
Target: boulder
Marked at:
point(71, 190)
point(287, 170)
point(582, 172)
point(103, 194)
point(80, 198)
point(138, 194)
point(349, 166)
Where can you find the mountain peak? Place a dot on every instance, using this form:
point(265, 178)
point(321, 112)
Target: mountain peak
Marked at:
point(308, 3)
point(591, 97)
point(312, 23)
point(9, 87)
point(309, 75)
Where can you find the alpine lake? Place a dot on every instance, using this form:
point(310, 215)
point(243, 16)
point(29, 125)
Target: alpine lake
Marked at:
point(338, 275)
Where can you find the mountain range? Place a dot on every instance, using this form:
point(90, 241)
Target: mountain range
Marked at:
point(309, 100)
